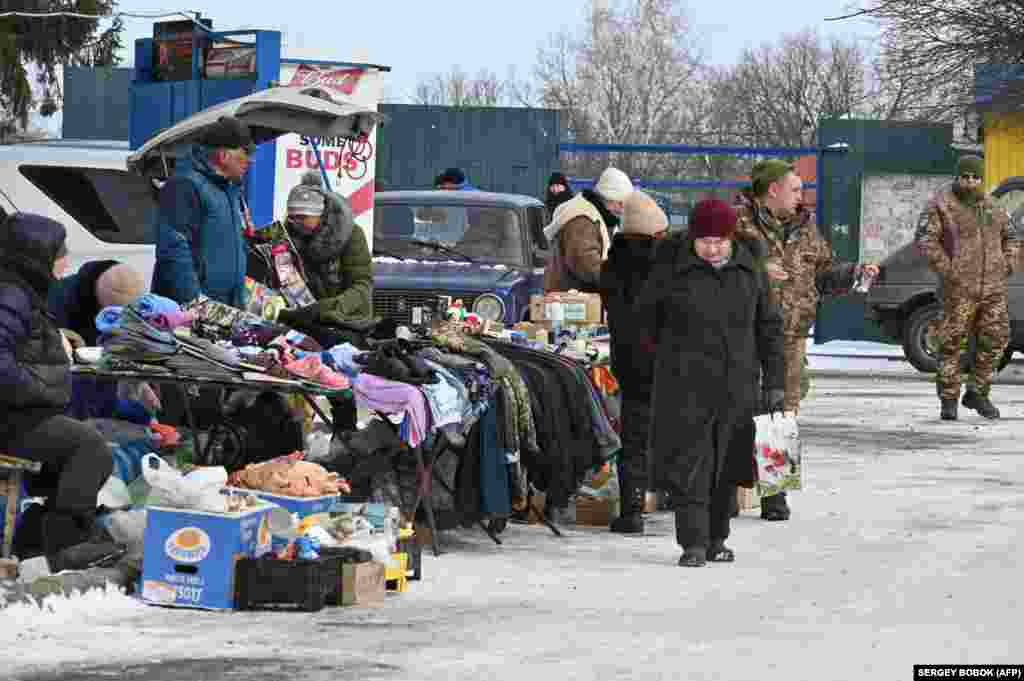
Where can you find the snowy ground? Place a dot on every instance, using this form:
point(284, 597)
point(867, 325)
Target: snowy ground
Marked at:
point(903, 550)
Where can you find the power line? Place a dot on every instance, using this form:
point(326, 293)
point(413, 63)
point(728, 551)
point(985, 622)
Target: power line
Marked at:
point(116, 15)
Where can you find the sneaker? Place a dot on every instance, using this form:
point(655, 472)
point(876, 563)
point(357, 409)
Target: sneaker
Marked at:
point(694, 556)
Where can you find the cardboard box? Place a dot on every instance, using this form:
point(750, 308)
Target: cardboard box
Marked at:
point(363, 583)
point(575, 308)
point(535, 506)
point(303, 507)
point(189, 556)
point(650, 502)
point(748, 499)
point(593, 511)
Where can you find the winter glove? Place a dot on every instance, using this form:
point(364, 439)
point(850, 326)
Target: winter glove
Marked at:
point(73, 338)
point(301, 316)
point(775, 400)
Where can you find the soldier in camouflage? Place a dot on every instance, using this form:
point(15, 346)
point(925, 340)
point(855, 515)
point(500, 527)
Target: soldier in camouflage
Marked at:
point(968, 243)
point(800, 267)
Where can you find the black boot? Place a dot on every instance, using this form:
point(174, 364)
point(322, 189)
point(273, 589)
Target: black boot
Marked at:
point(948, 410)
point(694, 556)
point(69, 543)
point(631, 500)
point(718, 552)
point(775, 507)
point(979, 403)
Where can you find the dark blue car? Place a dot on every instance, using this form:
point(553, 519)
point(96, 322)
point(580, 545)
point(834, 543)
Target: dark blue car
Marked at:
point(483, 248)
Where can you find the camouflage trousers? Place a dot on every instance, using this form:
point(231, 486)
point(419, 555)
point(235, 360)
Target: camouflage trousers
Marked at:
point(794, 350)
point(988, 319)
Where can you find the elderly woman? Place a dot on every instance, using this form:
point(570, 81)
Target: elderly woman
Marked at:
point(717, 333)
point(35, 387)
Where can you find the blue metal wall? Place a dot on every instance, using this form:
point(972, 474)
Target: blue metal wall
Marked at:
point(500, 149)
point(96, 103)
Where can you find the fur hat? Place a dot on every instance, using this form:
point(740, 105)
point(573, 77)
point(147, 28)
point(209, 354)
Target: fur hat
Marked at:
point(614, 185)
point(970, 164)
point(642, 215)
point(119, 285)
point(712, 218)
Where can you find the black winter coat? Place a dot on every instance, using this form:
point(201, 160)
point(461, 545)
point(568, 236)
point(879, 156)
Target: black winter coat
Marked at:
point(623, 277)
point(73, 303)
point(716, 331)
point(35, 376)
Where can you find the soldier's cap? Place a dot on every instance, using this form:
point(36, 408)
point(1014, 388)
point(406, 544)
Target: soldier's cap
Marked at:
point(765, 172)
point(228, 133)
point(970, 164)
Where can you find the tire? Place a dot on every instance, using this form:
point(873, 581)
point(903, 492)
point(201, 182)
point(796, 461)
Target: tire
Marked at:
point(919, 347)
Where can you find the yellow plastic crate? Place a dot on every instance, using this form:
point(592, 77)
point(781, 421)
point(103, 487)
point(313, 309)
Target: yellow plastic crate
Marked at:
point(395, 576)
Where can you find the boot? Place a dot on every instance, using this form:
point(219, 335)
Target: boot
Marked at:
point(630, 520)
point(980, 404)
point(948, 410)
point(775, 507)
point(694, 556)
point(72, 542)
point(718, 552)
point(631, 504)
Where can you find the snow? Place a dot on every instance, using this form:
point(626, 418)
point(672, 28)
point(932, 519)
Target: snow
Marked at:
point(903, 549)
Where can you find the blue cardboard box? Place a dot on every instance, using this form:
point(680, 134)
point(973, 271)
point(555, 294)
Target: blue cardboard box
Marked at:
point(189, 556)
point(303, 507)
point(375, 511)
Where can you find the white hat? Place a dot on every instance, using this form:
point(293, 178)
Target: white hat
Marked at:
point(614, 185)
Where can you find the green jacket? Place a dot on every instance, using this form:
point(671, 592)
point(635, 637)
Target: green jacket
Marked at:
point(335, 262)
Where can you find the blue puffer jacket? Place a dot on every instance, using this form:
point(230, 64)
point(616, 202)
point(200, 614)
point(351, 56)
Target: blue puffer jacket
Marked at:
point(200, 247)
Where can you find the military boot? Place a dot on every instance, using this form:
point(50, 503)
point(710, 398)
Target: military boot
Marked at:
point(980, 404)
point(948, 411)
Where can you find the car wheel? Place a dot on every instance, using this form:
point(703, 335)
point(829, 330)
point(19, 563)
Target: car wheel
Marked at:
point(921, 337)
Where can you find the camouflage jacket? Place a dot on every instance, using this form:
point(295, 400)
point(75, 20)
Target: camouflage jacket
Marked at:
point(971, 248)
point(799, 249)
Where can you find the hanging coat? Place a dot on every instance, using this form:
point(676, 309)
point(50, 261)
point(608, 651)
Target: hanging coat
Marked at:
point(716, 331)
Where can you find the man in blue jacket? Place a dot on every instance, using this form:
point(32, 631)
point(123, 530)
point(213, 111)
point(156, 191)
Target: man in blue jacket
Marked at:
point(200, 247)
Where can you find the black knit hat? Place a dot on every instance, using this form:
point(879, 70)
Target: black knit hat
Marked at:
point(454, 176)
point(228, 133)
point(559, 178)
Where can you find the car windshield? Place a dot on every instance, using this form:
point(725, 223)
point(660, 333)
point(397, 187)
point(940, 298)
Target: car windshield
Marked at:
point(481, 234)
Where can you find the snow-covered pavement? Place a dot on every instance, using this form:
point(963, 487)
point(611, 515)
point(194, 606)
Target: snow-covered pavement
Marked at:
point(903, 549)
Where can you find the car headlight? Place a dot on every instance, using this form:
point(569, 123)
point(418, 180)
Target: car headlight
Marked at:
point(489, 307)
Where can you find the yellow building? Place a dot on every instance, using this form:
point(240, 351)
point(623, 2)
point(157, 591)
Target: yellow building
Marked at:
point(1004, 147)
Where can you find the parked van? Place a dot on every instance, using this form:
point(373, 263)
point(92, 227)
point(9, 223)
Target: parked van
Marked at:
point(86, 186)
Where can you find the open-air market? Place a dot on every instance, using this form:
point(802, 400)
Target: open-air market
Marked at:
point(686, 349)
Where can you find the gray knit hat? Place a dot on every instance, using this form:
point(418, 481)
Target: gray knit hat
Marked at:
point(306, 198)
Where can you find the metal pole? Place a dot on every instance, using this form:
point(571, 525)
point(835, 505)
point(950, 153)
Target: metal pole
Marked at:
point(320, 162)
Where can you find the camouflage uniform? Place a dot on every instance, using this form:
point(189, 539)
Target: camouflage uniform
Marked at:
point(971, 249)
point(799, 249)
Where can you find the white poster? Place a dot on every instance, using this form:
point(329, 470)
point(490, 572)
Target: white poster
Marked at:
point(350, 164)
point(889, 211)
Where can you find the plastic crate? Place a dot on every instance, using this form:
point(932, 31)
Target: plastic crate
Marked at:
point(412, 547)
point(302, 584)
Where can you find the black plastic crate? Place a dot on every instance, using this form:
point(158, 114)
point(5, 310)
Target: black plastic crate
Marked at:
point(299, 584)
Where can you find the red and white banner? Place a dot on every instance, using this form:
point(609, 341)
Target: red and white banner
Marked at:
point(350, 164)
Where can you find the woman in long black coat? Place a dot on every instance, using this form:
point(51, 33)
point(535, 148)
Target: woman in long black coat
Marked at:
point(719, 339)
point(35, 388)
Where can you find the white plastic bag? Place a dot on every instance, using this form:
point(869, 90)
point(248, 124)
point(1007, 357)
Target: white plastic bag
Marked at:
point(778, 452)
point(199, 490)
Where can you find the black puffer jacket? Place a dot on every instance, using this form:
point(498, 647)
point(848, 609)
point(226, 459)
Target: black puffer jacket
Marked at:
point(35, 378)
point(623, 276)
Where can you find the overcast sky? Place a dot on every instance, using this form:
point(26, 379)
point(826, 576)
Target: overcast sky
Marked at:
point(417, 38)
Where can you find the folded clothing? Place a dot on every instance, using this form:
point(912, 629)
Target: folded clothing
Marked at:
point(208, 348)
point(394, 362)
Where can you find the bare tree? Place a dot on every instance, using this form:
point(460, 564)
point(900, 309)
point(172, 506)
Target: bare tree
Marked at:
point(930, 48)
point(777, 93)
point(457, 88)
point(631, 74)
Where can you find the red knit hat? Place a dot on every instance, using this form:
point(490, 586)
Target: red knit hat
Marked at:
point(712, 218)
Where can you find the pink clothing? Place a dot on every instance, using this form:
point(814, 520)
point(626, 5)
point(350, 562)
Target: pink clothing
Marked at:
point(391, 397)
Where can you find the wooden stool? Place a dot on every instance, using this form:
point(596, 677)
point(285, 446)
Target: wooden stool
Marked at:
point(12, 470)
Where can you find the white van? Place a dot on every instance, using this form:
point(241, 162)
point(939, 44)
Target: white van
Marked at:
point(86, 186)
